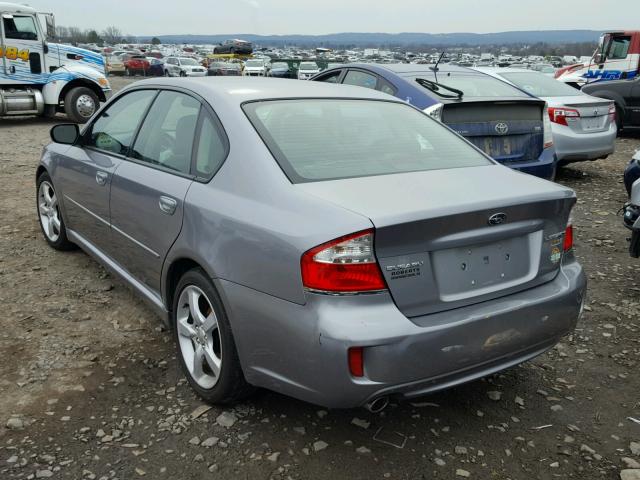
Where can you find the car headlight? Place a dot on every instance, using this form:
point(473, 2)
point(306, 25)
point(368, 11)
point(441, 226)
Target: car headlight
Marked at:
point(435, 111)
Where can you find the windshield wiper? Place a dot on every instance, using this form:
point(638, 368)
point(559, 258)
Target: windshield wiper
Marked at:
point(435, 87)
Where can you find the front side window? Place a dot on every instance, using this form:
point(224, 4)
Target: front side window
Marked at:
point(359, 138)
point(332, 77)
point(619, 48)
point(114, 129)
point(20, 27)
point(167, 134)
point(360, 79)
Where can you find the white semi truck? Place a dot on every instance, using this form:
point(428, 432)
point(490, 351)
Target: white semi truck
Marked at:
point(41, 78)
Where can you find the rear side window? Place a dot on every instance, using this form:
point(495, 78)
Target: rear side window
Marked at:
point(212, 148)
point(114, 129)
point(360, 79)
point(167, 135)
point(315, 140)
point(20, 28)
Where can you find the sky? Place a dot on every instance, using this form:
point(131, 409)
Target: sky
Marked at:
point(268, 17)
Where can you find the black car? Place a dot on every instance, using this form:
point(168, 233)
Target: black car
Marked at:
point(626, 95)
point(234, 46)
point(281, 70)
point(217, 69)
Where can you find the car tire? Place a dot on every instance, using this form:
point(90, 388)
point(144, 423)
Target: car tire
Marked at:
point(80, 104)
point(166, 73)
point(127, 72)
point(182, 73)
point(204, 340)
point(50, 216)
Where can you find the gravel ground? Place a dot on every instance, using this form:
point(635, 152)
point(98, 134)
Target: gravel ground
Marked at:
point(90, 388)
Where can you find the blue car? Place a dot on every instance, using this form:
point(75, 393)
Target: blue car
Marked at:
point(507, 123)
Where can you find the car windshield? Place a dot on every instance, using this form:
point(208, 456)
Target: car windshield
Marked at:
point(280, 66)
point(317, 139)
point(254, 63)
point(473, 85)
point(540, 85)
point(308, 66)
point(188, 61)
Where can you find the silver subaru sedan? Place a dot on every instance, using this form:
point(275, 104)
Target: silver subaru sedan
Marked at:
point(333, 244)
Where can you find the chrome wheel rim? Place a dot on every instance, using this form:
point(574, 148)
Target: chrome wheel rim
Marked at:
point(199, 336)
point(85, 105)
point(48, 211)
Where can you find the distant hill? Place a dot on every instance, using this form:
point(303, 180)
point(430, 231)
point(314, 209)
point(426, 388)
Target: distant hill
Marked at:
point(399, 39)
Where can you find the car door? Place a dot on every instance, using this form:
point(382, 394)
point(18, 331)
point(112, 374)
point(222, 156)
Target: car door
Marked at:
point(149, 187)
point(23, 47)
point(85, 172)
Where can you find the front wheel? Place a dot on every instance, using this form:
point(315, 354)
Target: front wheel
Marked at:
point(204, 341)
point(80, 104)
point(183, 74)
point(51, 222)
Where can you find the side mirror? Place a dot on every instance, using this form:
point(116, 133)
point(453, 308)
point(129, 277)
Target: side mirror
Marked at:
point(65, 133)
point(598, 58)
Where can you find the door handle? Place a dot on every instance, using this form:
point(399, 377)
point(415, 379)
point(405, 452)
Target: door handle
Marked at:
point(101, 177)
point(167, 205)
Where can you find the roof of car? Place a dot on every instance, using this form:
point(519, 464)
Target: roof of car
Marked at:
point(240, 90)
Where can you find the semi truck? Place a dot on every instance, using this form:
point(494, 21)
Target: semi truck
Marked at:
point(39, 77)
point(616, 58)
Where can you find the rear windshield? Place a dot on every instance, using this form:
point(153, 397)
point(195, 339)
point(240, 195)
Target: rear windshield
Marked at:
point(326, 139)
point(540, 85)
point(476, 85)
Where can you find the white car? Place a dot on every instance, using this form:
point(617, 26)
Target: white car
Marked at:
point(306, 70)
point(183, 67)
point(256, 68)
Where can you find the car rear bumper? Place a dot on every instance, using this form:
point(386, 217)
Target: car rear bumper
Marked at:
point(544, 167)
point(301, 350)
point(576, 147)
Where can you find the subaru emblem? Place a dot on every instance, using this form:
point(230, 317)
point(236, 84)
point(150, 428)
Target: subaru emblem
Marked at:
point(502, 128)
point(497, 218)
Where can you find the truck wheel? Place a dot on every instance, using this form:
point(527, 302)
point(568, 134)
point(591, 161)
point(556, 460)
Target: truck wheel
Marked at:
point(80, 104)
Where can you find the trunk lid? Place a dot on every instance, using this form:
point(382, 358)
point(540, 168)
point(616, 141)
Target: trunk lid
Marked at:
point(433, 240)
point(594, 112)
point(507, 130)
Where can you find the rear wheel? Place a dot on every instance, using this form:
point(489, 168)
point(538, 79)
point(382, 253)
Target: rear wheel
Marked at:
point(204, 341)
point(183, 73)
point(51, 222)
point(80, 104)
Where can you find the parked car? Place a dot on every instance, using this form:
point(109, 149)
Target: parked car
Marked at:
point(584, 127)
point(505, 122)
point(281, 70)
point(156, 67)
point(115, 65)
point(183, 67)
point(135, 64)
point(625, 94)
point(224, 69)
point(384, 257)
point(306, 70)
point(234, 47)
point(258, 67)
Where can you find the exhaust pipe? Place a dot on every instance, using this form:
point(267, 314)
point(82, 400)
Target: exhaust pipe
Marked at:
point(377, 405)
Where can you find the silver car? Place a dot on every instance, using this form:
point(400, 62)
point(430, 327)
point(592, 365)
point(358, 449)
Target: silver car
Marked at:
point(583, 126)
point(335, 245)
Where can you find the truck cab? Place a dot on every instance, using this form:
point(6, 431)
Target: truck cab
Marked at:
point(41, 78)
point(617, 58)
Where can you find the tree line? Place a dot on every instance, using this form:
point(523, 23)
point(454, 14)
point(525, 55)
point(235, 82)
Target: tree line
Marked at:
point(109, 36)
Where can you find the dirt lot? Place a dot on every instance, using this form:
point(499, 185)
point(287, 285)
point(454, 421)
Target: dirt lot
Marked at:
point(90, 389)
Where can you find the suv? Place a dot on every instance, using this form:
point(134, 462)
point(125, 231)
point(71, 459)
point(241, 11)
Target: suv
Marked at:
point(134, 63)
point(507, 123)
point(626, 96)
point(183, 67)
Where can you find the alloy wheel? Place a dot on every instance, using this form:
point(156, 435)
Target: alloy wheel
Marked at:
point(85, 106)
point(48, 211)
point(199, 336)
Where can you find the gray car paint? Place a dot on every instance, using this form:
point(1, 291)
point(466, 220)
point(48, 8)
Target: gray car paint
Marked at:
point(249, 226)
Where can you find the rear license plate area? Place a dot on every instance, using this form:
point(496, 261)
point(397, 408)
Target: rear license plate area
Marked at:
point(478, 269)
point(592, 123)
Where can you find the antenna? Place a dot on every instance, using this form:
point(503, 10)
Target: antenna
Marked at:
point(435, 67)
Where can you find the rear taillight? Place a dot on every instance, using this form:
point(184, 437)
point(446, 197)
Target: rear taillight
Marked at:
point(568, 238)
point(612, 112)
point(560, 115)
point(548, 134)
point(344, 265)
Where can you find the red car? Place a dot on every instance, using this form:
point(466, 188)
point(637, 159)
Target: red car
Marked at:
point(135, 64)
